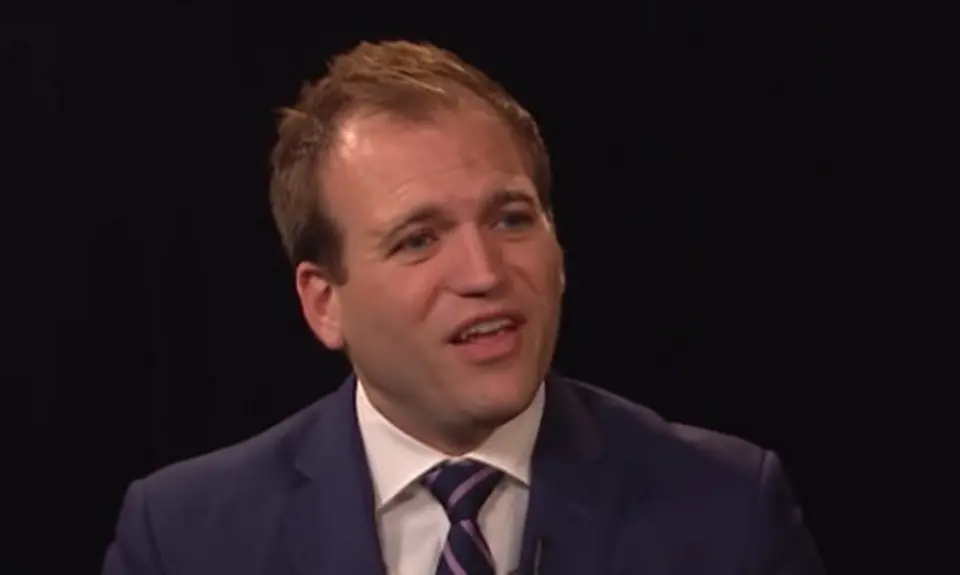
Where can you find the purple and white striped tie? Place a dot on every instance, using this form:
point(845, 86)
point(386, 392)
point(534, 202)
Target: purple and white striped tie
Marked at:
point(462, 487)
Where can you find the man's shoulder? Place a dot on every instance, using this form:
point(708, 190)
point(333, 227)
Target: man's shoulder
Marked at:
point(640, 440)
point(722, 496)
point(219, 496)
point(263, 458)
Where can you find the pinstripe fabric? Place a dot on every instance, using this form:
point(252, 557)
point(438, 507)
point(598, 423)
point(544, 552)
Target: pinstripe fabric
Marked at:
point(462, 487)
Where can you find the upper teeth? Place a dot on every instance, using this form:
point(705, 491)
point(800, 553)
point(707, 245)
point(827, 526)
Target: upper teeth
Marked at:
point(486, 327)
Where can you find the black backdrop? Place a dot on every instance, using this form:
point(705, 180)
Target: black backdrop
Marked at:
point(694, 151)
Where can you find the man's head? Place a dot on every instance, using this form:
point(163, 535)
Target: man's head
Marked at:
point(411, 194)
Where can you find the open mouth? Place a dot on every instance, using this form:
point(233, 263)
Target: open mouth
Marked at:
point(486, 330)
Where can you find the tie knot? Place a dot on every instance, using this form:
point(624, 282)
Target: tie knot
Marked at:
point(462, 487)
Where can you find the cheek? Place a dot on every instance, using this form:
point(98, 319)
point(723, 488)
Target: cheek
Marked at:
point(390, 304)
point(544, 267)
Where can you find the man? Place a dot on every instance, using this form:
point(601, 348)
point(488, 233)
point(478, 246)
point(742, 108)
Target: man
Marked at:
point(411, 194)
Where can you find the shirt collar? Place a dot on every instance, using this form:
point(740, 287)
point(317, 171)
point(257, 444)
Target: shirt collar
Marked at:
point(396, 459)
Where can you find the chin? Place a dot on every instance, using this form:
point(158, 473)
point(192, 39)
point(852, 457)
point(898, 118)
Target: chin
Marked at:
point(504, 400)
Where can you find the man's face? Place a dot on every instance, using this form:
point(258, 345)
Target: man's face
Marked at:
point(442, 231)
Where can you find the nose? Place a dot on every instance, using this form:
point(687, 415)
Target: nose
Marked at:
point(476, 265)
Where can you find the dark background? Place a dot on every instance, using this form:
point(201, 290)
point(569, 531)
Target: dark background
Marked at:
point(698, 197)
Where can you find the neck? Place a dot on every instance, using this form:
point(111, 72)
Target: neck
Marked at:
point(456, 442)
point(452, 439)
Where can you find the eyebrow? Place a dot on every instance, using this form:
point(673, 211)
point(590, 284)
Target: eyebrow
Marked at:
point(431, 212)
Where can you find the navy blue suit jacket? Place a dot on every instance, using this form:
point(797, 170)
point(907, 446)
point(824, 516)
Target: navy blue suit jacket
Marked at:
point(615, 490)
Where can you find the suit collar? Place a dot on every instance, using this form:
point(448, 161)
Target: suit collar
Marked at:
point(574, 494)
point(329, 521)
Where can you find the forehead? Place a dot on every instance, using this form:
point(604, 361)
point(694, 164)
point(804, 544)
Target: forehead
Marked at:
point(382, 163)
point(466, 133)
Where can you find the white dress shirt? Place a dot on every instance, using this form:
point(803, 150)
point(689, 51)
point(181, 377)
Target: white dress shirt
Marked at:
point(412, 524)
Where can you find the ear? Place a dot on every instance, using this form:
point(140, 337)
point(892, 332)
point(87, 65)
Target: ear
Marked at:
point(320, 302)
point(563, 270)
point(560, 254)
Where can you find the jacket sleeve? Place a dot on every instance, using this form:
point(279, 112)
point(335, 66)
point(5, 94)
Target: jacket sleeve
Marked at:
point(133, 550)
point(781, 543)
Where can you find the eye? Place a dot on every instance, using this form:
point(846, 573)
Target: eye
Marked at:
point(415, 242)
point(517, 219)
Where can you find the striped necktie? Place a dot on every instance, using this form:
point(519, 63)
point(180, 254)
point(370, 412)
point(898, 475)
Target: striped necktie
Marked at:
point(462, 487)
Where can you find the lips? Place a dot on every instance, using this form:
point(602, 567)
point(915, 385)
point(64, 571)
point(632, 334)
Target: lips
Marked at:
point(486, 325)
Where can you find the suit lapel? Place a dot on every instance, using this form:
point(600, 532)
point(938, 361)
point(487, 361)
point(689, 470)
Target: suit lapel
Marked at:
point(329, 522)
point(573, 499)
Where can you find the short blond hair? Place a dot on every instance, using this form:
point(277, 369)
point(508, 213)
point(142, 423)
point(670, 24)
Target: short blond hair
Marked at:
point(406, 78)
